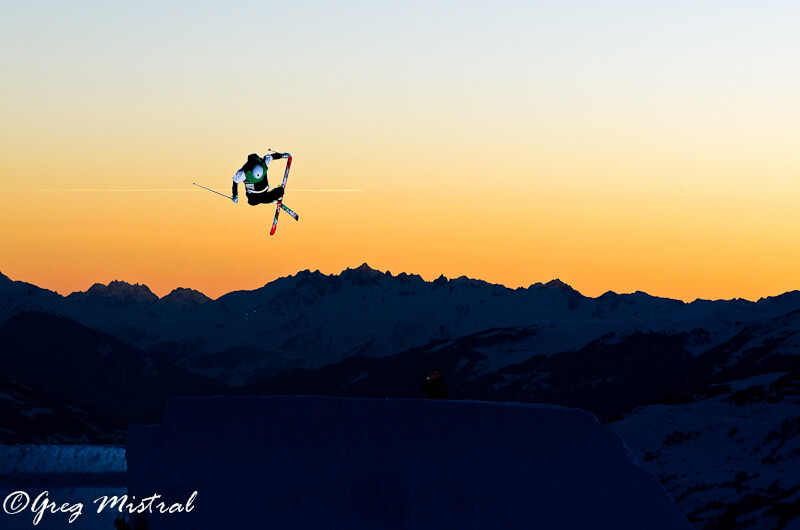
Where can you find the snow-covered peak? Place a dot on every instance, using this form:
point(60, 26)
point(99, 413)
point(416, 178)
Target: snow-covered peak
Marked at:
point(363, 276)
point(783, 303)
point(117, 291)
point(409, 278)
point(185, 297)
point(364, 267)
point(793, 296)
point(308, 274)
point(638, 304)
point(557, 284)
point(470, 282)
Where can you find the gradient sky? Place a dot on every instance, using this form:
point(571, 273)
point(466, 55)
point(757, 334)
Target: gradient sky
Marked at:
point(617, 145)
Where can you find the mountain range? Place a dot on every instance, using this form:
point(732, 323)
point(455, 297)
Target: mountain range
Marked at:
point(369, 333)
point(313, 332)
point(79, 368)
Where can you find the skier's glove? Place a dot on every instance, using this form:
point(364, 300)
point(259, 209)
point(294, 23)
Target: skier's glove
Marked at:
point(277, 156)
point(235, 198)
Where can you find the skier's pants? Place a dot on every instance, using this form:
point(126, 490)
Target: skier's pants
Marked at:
point(267, 196)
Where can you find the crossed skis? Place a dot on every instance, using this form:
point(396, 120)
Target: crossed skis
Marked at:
point(280, 201)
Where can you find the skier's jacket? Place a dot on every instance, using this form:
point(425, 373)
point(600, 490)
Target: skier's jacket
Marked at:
point(253, 183)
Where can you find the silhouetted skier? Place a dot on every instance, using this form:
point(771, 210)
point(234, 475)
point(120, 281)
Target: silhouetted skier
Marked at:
point(435, 386)
point(254, 175)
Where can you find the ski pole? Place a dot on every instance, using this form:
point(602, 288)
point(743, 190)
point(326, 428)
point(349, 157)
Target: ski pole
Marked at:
point(212, 191)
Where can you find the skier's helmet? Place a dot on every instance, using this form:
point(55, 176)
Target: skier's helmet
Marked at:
point(258, 172)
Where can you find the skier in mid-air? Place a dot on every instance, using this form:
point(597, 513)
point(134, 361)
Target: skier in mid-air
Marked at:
point(254, 175)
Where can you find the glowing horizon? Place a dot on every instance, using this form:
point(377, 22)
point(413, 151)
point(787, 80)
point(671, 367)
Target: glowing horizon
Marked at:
point(619, 147)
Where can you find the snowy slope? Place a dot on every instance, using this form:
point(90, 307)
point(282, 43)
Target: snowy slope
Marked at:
point(731, 458)
point(313, 462)
point(16, 460)
point(74, 475)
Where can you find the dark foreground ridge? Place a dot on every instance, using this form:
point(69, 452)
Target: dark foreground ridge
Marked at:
point(321, 462)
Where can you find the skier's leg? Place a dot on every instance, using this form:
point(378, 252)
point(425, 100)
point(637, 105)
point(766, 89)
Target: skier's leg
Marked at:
point(275, 194)
point(266, 197)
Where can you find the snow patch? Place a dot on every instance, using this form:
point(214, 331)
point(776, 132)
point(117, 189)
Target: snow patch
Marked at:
point(44, 459)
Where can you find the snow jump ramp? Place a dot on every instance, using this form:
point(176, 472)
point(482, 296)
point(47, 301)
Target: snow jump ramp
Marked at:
point(346, 463)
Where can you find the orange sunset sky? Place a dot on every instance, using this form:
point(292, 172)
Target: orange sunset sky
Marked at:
point(617, 146)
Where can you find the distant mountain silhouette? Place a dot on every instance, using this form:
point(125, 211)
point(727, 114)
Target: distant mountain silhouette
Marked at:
point(116, 292)
point(365, 332)
point(184, 298)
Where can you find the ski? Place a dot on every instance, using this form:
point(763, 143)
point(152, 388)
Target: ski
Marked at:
point(280, 201)
point(290, 212)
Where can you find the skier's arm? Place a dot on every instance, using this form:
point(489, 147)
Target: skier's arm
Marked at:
point(237, 178)
point(276, 156)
